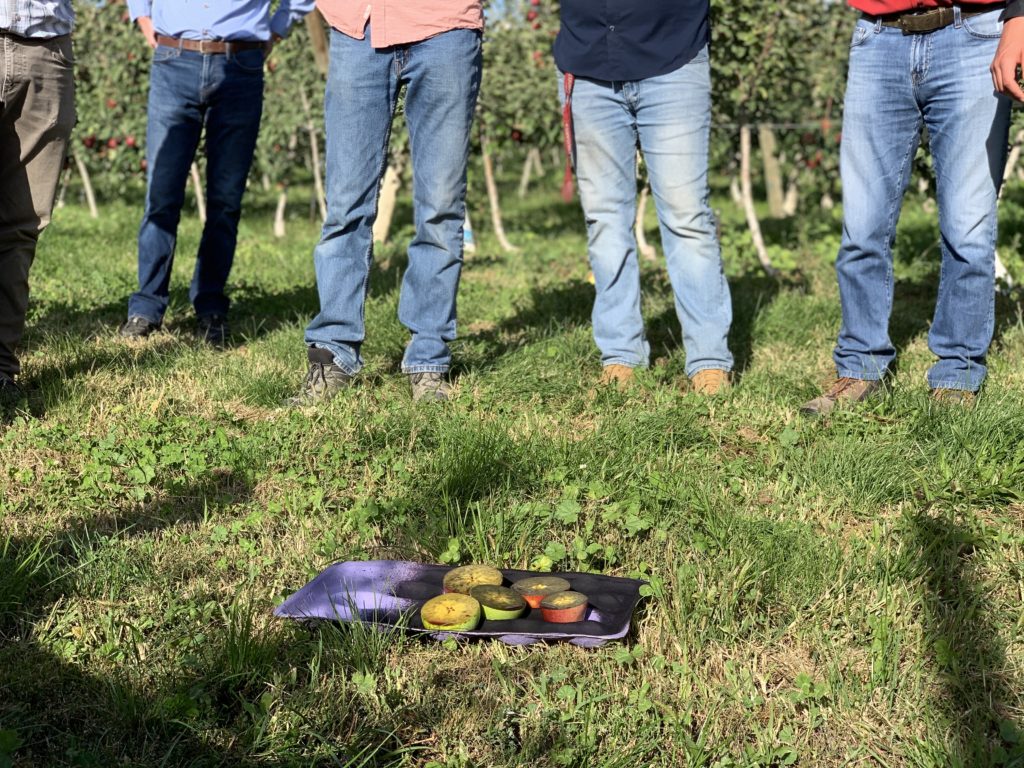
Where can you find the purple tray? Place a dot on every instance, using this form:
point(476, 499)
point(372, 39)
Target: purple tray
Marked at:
point(385, 592)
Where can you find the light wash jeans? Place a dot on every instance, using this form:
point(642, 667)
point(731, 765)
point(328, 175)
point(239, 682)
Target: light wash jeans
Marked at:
point(668, 117)
point(897, 83)
point(190, 91)
point(442, 77)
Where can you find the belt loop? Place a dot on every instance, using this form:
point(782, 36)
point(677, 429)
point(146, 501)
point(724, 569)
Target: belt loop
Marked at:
point(957, 17)
point(878, 25)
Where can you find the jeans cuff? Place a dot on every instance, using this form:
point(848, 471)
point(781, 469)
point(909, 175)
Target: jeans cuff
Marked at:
point(708, 367)
point(958, 385)
point(846, 373)
point(408, 370)
point(623, 361)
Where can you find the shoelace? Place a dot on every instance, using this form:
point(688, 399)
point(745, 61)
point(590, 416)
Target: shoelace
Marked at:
point(316, 378)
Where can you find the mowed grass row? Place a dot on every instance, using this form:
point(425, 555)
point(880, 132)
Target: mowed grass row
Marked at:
point(846, 592)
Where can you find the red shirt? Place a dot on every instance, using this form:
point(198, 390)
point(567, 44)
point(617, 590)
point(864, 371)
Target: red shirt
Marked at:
point(883, 7)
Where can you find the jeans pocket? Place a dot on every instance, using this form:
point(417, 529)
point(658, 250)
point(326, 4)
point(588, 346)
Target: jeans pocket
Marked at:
point(165, 53)
point(250, 61)
point(861, 32)
point(984, 26)
point(60, 50)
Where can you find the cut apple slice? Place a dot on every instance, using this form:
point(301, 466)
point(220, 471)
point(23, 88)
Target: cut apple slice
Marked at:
point(452, 613)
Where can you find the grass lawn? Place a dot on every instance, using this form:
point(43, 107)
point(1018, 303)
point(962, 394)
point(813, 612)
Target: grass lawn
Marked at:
point(846, 592)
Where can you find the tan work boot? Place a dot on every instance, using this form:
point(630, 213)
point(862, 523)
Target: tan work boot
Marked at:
point(621, 376)
point(843, 390)
point(711, 382)
point(945, 396)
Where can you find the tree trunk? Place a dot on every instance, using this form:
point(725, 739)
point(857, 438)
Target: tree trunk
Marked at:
point(386, 202)
point(318, 39)
point(197, 187)
point(492, 196)
point(532, 165)
point(772, 171)
point(314, 151)
point(280, 229)
point(645, 248)
point(468, 241)
point(90, 195)
point(748, 203)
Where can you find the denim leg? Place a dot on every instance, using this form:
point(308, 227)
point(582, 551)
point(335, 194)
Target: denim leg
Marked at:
point(674, 120)
point(233, 110)
point(174, 123)
point(881, 129)
point(968, 125)
point(443, 78)
point(362, 91)
point(606, 144)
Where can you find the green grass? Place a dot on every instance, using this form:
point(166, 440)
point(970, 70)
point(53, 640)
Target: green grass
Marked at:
point(842, 593)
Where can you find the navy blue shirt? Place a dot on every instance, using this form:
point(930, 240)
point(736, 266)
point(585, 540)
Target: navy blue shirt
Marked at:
point(629, 39)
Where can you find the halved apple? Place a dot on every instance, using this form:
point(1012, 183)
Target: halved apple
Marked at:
point(499, 603)
point(451, 613)
point(466, 577)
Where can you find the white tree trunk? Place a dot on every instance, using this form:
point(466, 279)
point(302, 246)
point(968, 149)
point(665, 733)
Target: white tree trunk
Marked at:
point(90, 195)
point(280, 228)
point(645, 248)
point(492, 196)
point(386, 204)
point(197, 187)
point(748, 204)
point(314, 152)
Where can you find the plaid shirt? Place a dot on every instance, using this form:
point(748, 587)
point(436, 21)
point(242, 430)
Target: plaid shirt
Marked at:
point(36, 18)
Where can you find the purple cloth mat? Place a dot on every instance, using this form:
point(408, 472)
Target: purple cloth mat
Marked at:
point(384, 591)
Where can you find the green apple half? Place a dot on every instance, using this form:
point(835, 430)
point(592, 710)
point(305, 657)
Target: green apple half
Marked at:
point(499, 603)
point(466, 577)
point(451, 613)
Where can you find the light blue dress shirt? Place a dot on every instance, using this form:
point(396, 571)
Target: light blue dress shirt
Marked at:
point(36, 18)
point(220, 19)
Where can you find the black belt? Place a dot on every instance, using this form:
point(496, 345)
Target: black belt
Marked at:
point(922, 22)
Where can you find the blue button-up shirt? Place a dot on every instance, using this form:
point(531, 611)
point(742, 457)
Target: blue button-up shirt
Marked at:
point(36, 18)
point(222, 19)
point(615, 40)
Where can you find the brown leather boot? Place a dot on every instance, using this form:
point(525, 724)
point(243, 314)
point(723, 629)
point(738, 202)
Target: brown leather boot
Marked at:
point(711, 382)
point(945, 396)
point(843, 390)
point(621, 376)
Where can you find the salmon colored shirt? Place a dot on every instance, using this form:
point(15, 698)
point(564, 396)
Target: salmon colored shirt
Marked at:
point(400, 22)
point(883, 7)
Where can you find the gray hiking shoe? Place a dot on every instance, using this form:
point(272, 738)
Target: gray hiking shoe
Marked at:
point(429, 387)
point(138, 327)
point(842, 391)
point(323, 379)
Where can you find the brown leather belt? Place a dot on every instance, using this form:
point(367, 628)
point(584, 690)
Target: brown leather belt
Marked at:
point(211, 46)
point(923, 22)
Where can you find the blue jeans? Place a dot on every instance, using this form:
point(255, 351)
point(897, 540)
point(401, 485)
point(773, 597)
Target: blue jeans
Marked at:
point(442, 77)
point(669, 118)
point(187, 91)
point(897, 83)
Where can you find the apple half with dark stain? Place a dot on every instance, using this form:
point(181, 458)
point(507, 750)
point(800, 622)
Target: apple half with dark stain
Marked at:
point(466, 577)
point(536, 588)
point(498, 603)
point(564, 607)
point(451, 613)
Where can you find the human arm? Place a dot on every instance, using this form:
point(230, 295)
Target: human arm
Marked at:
point(1009, 56)
point(142, 13)
point(290, 12)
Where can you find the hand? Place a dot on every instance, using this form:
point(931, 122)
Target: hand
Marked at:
point(146, 26)
point(1009, 58)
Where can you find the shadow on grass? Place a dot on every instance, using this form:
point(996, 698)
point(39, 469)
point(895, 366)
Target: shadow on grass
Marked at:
point(967, 651)
point(210, 711)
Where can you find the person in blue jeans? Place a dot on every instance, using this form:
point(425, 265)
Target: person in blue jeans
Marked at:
point(433, 51)
point(912, 67)
point(207, 75)
point(637, 75)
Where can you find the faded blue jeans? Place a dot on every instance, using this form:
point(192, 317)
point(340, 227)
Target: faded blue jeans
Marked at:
point(668, 117)
point(189, 92)
point(442, 77)
point(897, 83)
